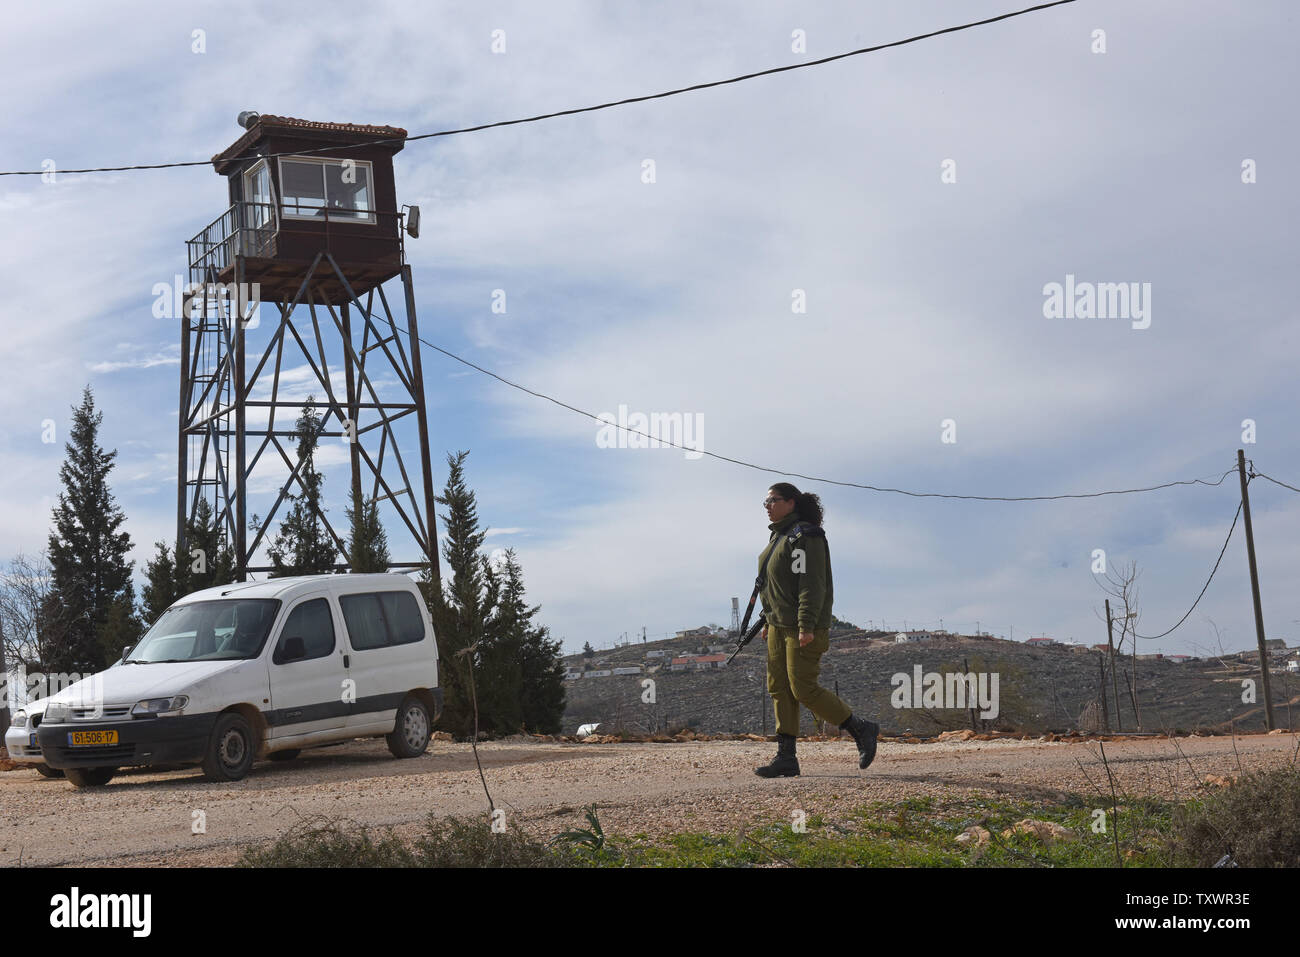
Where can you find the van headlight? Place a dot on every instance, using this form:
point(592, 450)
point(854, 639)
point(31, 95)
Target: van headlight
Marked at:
point(161, 707)
point(20, 719)
point(57, 712)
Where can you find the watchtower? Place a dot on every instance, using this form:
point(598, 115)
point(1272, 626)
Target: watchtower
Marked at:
point(312, 236)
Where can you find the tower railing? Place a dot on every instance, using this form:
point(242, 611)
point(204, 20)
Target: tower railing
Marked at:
point(245, 229)
point(252, 229)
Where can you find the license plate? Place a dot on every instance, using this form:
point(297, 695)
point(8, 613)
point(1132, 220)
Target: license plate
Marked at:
point(32, 743)
point(83, 739)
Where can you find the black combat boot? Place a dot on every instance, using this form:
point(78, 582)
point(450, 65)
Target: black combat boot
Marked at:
point(864, 733)
point(785, 764)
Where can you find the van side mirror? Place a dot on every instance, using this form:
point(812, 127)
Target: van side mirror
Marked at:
point(293, 649)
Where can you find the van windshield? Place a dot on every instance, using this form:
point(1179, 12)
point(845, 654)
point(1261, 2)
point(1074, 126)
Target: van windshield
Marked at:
point(226, 629)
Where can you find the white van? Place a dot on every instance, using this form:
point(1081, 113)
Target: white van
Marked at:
point(252, 670)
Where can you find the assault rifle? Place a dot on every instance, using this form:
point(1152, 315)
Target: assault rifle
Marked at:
point(749, 636)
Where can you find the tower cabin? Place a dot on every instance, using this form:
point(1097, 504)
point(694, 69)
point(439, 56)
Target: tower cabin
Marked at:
point(304, 192)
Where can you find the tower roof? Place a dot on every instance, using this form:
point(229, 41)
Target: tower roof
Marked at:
point(316, 130)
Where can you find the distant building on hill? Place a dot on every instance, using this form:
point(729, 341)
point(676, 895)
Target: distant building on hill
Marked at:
point(909, 637)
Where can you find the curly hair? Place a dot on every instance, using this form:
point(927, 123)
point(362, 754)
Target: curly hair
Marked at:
point(806, 504)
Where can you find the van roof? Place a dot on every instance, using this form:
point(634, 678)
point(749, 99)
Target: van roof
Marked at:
point(288, 588)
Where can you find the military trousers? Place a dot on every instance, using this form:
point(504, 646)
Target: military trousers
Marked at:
point(792, 679)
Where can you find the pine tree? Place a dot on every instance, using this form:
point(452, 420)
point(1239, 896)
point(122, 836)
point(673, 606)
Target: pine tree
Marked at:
point(500, 674)
point(368, 543)
point(588, 652)
point(92, 595)
point(304, 545)
point(535, 671)
point(461, 607)
point(160, 588)
point(208, 562)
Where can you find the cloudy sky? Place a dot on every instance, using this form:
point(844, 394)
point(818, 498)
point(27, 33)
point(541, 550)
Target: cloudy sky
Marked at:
point(832, 271)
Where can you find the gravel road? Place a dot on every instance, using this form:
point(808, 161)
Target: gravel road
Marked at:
point(144, 818)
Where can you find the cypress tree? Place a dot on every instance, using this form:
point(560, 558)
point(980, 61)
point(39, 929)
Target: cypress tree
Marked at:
point(92, 594)
point(209, 561)
point(368, 543)
point(304, 545)
point(160, 588)
point(533, 669)
point(500, 676)
point(459, 608)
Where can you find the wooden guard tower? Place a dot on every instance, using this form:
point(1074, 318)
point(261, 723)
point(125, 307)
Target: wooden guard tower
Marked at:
point(287, 289)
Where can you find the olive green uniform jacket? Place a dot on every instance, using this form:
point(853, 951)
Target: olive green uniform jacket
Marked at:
point(799, 590)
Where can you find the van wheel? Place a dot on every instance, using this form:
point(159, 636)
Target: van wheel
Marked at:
point(284, 755)
point(89, 777)
point(230, 752)
point(410, 736)
point(45, 771)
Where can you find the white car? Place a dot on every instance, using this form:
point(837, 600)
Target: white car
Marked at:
point(20, 739)
point(256, 669)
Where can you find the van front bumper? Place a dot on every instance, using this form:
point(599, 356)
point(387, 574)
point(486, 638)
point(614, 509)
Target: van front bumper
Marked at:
point(180, 739)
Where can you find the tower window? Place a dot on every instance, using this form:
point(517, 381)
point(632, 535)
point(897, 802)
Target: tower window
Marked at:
point(309, 186)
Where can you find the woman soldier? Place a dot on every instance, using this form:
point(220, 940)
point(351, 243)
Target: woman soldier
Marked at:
point(796, 596)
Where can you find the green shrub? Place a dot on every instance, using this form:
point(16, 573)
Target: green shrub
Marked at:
point(321, 842)
point(1255, 820)
point(444, 842)
point(454, 842)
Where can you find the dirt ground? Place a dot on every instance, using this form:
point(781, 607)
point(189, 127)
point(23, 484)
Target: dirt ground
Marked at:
point(145, 818)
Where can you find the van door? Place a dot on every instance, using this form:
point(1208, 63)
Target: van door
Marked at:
point(392, 652)
point(308, 694)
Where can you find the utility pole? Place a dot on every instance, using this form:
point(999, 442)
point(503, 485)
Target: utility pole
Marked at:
point(4, 684)
point(1110, 641)
point(1254, 591)
point(1105, 709)
point(966, 668)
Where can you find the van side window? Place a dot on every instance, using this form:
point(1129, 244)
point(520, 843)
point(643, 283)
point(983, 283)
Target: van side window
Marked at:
point(311, 621)
point(365, 621)
point(402, 615)
point(380, 619)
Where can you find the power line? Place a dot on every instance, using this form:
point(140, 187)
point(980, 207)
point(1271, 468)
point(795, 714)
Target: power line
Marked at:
point(1253, 474)
point(1207, 581)
point(814, 478)
point(582, 109)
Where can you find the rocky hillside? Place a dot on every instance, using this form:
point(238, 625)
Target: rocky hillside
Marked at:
point(1053, 688)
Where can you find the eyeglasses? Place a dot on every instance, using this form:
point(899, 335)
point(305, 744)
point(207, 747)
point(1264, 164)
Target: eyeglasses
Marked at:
point(771, 501)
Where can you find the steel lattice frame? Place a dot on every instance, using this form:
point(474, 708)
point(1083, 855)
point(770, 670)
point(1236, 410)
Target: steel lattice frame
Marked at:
point(217, 386)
